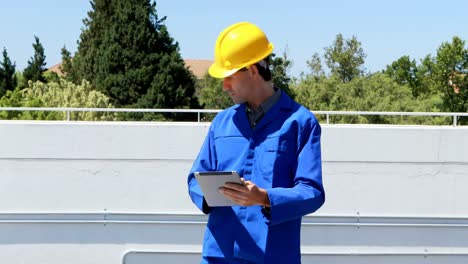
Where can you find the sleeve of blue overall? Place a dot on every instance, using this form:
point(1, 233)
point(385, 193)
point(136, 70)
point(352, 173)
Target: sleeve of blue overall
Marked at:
point(205, 161)
point(307, 195)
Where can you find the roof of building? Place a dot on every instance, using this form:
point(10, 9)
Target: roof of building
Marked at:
point(198, 67)
point(56, 69)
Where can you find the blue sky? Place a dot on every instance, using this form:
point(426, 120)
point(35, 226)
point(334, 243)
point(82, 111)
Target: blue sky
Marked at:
point(386, 29)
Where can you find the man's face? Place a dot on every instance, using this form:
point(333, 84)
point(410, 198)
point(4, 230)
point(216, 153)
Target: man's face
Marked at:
point(239, 86)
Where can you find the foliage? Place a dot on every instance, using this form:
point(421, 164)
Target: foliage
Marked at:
point(36, 65)
point(211, 95)
point(345, 58)
point(405, 72)
point(376, 92)
point(51, 76)
point(437, 84)
point(56, 94)
point(279, 71)
point(450, 73)
point(126, 52)
point(67, 69)
point(21, 82)
point(18, 98)
point(8, 80)
point(425, 78)
point(315, 66)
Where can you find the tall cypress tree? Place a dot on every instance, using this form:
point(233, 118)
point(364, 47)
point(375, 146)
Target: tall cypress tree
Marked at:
point(67, 66)
point(36, 66)
point(126, 52)
point(7, 74)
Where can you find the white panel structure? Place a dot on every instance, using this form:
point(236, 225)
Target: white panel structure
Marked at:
point(115, 192)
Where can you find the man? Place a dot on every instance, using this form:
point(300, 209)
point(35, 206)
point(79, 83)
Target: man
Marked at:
point(274, 145)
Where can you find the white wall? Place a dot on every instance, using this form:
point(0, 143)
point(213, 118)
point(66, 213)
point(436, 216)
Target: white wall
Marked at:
point(81, 192)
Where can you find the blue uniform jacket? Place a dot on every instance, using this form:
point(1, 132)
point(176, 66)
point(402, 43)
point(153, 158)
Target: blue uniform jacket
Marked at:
point(282, 155)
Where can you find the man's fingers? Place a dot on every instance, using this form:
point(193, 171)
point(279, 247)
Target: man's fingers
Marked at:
point(233, 194)
point(235, 186)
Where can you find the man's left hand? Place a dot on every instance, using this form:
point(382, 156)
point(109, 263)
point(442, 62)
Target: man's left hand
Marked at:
point(246, 194)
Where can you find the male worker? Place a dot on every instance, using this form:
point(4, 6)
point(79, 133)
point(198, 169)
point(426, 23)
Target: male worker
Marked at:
point(273, 143)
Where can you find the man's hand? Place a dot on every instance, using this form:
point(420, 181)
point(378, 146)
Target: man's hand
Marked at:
point(246, 194)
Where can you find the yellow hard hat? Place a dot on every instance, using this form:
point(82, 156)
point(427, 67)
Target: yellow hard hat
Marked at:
point(239, 45)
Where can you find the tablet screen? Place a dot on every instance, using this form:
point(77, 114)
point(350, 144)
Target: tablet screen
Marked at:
point(211, 181)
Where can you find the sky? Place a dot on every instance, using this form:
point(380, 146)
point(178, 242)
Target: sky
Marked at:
point(387, 30)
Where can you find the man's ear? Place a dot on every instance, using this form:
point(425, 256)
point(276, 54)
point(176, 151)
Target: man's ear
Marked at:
point(253, 70)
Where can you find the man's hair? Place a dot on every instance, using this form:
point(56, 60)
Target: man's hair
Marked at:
point(263, 67)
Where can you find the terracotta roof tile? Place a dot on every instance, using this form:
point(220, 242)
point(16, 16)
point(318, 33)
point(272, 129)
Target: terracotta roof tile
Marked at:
point(56, 69)
point(198, 67)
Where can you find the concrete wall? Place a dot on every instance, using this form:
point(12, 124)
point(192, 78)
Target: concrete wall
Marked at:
point(79, 192)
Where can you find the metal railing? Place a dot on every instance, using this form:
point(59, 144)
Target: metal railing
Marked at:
point(450, 114)
point(69, 110)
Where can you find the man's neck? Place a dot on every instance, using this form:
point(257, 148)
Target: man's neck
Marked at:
point(265, 92)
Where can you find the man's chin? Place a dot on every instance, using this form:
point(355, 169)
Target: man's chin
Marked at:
point(237, 100)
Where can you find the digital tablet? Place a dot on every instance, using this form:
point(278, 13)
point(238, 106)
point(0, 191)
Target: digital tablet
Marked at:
point(211, 181)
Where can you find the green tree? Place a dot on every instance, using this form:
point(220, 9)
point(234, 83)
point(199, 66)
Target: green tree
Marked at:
point(317, 93)
point(279, 71)
point(36, 65)
point(8, 80)
point(211, 94)
point(315, 66)
point(56, 94)
point(126, 52)
point(375, 92)
point(450, 70)
point(405, 72)
point(426, 78)
point(67, 67)
point(19, 98)
point(345, 58)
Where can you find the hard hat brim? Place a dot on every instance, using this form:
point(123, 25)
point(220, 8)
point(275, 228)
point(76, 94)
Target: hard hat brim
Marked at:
point(218, 72)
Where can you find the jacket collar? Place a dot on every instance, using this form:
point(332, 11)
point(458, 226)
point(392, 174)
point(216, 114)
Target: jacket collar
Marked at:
point(283, 106)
